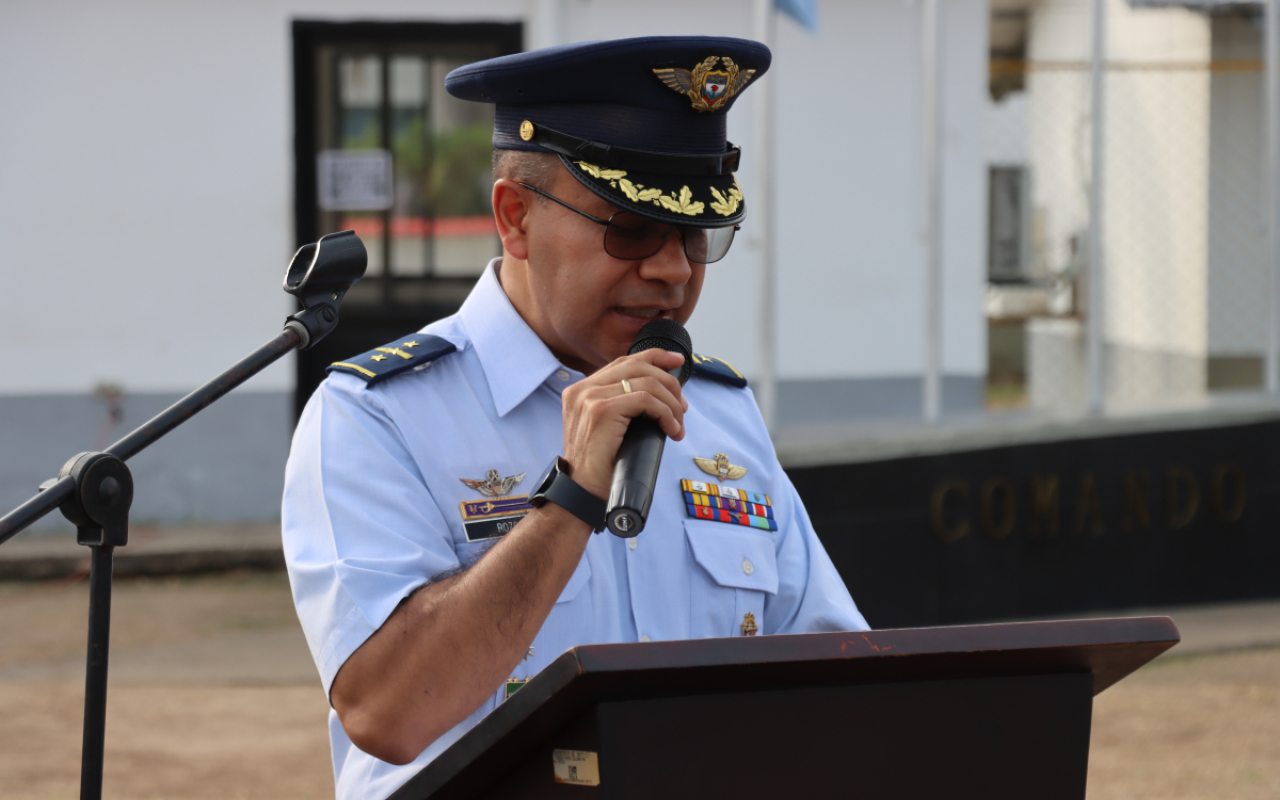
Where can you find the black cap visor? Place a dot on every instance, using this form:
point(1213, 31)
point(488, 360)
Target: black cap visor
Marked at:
point(709, 201)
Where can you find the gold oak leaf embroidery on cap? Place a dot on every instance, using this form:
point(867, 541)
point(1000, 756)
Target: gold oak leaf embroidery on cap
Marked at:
point(636, 193)
point(601, 173)
point(726, 205)
point(682, 203)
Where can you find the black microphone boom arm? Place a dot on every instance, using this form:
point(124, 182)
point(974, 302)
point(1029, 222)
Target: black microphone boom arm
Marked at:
point(95, 490)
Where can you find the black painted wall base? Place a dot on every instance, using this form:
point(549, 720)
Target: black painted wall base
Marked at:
point(1167, 518)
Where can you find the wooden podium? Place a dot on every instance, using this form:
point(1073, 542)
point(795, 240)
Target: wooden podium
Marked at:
point(983, 711)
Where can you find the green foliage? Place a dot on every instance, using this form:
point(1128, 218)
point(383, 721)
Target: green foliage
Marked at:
point(449, 171)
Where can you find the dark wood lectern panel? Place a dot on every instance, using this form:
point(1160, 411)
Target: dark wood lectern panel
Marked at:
point(927, 739)
point(773, 744)
point(990, 711)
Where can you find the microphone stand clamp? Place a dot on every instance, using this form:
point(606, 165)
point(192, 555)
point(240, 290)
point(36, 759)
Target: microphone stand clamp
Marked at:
point(319, 276)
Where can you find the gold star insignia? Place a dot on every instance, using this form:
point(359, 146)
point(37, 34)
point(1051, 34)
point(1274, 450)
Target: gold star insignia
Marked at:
point(409, 344)
point(377, 358)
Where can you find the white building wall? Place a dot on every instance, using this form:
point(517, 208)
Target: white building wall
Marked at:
point(153, 177)
point(146, 211)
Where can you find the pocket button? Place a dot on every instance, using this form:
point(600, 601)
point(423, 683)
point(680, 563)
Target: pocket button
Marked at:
point(746, 567)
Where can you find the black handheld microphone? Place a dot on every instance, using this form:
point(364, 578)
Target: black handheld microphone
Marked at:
point(636, 471)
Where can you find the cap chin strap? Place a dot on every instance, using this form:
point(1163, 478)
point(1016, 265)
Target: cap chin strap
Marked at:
point(644, 161)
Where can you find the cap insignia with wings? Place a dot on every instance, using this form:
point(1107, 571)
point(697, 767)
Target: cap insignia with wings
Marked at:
point(707, 87)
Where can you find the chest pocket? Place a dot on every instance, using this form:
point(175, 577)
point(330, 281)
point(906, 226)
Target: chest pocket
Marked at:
point(736, 569)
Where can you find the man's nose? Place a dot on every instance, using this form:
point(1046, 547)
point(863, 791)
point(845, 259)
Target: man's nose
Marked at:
point(669, 265)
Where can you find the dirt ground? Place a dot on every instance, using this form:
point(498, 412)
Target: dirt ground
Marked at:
point(213, 695)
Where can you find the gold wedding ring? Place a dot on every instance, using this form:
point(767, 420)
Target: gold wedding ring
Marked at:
point(626, 386)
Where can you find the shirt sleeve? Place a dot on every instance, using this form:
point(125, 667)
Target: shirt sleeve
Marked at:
point(360, 527)
point(812, 597)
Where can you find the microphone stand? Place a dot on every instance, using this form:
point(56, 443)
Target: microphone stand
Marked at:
point(95, 490)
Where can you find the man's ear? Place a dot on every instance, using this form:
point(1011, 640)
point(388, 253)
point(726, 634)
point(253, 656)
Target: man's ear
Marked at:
point(511, 206)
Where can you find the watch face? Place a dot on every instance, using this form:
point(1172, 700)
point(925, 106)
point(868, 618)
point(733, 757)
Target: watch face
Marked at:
point(545, 481)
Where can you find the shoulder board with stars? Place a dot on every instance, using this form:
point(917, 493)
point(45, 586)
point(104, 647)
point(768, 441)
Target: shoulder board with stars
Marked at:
point(407, 354)
point(717, 370)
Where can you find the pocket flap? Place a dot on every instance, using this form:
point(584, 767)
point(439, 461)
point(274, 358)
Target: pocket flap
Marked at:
point(734, 555)
point(581, 574)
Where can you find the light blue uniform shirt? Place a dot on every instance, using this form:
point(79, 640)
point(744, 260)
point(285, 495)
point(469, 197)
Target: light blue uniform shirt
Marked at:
point(372, 510)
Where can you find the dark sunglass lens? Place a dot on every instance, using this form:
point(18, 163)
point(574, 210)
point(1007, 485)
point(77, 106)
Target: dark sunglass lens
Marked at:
point(631, 237)
point(695, 244)
point(707, 245)
point(719, 242)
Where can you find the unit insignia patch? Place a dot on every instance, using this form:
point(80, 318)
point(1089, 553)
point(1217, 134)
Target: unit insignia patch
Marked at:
point(513, 686)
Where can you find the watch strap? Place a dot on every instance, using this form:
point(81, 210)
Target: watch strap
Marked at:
point(566, 493)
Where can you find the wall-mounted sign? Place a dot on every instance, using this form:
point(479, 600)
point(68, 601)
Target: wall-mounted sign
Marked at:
point(355, 180)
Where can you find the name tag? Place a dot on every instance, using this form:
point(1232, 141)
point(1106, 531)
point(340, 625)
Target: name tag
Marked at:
point(492, 518)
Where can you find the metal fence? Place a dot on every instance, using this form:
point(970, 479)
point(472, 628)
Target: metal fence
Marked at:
point(1185, 288)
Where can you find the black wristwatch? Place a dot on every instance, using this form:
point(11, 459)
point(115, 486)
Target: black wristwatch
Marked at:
point(557, 487)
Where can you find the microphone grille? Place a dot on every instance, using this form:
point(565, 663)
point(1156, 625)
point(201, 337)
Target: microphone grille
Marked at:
point(666, 334)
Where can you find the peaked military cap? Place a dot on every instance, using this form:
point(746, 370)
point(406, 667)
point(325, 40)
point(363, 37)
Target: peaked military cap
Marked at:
point(640, 122)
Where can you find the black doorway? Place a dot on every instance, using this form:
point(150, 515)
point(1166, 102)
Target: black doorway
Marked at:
point(382, 149)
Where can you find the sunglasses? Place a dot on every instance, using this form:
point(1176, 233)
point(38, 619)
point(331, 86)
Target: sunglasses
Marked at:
point(631, 237)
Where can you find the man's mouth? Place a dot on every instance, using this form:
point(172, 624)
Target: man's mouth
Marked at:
point(647, 313)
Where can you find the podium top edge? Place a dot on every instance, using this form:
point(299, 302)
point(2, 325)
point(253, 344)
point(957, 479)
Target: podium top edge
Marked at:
point(1143, 638)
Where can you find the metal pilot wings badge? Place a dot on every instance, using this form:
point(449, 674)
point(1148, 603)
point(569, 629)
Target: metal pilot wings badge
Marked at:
point(709, 88)
point(720, 467)
point(494, 485)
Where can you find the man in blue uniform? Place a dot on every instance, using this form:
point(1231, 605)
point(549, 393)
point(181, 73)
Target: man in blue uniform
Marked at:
point(433, 569)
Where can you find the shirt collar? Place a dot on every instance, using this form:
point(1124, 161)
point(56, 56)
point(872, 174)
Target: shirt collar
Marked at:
point(515, 360)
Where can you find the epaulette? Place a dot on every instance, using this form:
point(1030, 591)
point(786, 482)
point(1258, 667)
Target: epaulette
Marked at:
point(717, 370)
point(405, 354)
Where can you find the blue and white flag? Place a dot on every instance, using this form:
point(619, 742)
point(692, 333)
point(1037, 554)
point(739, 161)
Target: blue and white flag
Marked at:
point(803, 11)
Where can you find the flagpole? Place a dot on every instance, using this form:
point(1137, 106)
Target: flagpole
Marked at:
point(931, 63)
point(764, 195)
